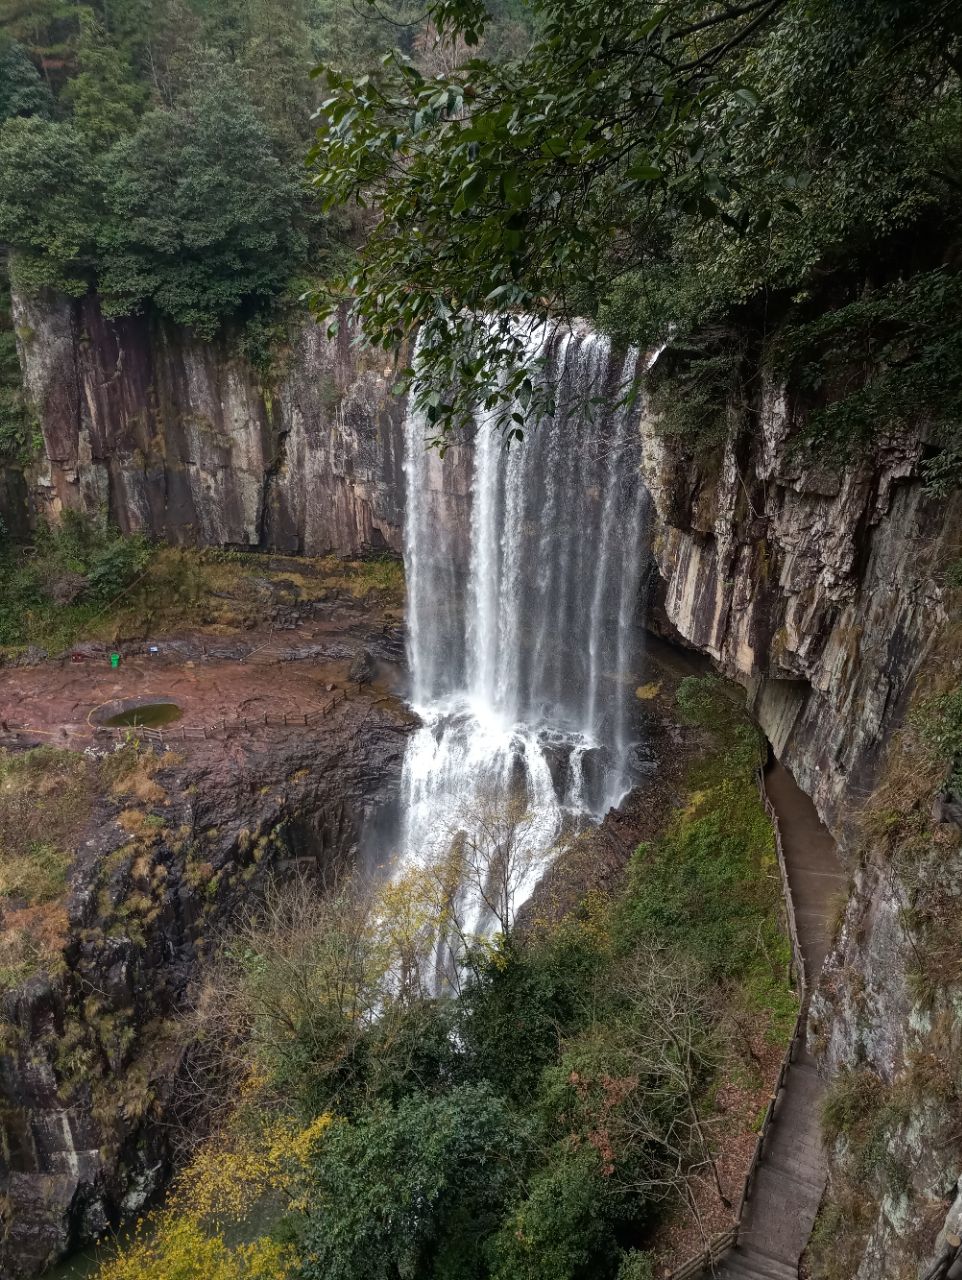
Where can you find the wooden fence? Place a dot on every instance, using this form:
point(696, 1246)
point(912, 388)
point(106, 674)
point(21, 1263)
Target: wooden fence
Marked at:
point(717, 1246)
point(723, 1241)
point(188, 733)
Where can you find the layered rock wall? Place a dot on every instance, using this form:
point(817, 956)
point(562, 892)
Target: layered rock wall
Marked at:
point(185, 441)
point(820, 591)
point(826, 595)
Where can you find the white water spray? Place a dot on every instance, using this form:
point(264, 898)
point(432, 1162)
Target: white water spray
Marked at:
point(523, 568)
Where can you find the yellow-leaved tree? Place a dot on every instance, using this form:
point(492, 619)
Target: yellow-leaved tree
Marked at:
point(231, 1182)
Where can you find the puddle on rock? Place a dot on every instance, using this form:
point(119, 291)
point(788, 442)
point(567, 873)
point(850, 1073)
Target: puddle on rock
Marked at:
point(150, 715)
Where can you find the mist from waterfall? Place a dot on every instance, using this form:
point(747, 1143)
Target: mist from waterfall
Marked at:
point(523, 567)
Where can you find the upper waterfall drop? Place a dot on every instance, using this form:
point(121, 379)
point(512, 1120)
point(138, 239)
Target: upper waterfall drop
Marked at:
point(523, 567)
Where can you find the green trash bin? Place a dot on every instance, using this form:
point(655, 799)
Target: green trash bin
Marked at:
point(115, 660)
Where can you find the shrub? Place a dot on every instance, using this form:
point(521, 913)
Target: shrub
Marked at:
point(518, 1001)
point(939, 723)
point(55, 590)
point(113, 567)
point(636, 1266)
point(699, 888)
point(413, 1190)
point(852, 1097)
point(561, 1230)
point(182, 1250)
point(200, 211)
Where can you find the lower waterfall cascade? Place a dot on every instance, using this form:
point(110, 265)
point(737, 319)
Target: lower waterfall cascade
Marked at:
point(523, 566)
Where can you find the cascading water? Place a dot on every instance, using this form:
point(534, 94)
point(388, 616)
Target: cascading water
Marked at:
point(523, 568)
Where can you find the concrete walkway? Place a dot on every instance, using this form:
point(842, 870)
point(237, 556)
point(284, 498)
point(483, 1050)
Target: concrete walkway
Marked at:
point(791, 1176)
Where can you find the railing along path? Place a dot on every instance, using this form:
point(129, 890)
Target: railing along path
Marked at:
point(725, 1240)
point(184, 733)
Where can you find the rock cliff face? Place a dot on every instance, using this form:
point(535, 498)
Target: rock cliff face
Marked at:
point(826, 596)
point(89, 1055)
point(821, 592)
point(185, 441)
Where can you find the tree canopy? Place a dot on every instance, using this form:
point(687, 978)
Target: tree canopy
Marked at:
point(656, 166)
point(155, 151)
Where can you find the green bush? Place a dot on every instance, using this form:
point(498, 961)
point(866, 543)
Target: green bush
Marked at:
point(114, 566)
point(703, 886)
point(514, 1007)
point(52, 591)
point(562, 1229)
point(22, 90)
point(200, 212)
point(636, 1266)
point(939, 723)
point(413, 1190)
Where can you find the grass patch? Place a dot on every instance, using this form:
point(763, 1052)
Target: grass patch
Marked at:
point(382, 574)
point(83, 580)
point(710, 886)
point(40, 875)
point(44, 807)
point(853, 1097)
point(131, 771)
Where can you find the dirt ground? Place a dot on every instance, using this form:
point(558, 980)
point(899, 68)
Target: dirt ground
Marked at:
point(213, 680)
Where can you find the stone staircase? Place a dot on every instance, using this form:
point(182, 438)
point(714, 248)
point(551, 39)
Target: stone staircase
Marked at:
point(752, 1264)
point(790, 1178)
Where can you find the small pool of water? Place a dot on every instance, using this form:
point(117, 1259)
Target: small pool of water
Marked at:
point(150, 714)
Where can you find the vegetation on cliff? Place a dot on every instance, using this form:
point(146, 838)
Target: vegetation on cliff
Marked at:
point(155, 150)
point(18, 432)
point(689, 173)
point(85, 580)
point(535, 1124)
point(45, 802)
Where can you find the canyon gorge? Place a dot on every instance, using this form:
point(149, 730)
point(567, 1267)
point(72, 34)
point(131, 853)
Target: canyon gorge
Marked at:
point(824, 593)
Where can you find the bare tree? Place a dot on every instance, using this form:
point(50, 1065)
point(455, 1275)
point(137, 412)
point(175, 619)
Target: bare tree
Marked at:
point(475, 885)
point(293, 986)
point(498, 856)
point(666, 1057)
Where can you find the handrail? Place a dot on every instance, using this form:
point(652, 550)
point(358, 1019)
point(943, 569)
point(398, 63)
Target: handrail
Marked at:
point(186, 733)
point(721, 1243)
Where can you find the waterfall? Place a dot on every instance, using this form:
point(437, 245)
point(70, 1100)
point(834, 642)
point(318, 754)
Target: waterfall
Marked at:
point(523, 567)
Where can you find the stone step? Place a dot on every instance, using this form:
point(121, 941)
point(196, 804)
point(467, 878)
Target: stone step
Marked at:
point(810, 1174)
point(751, 1264)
